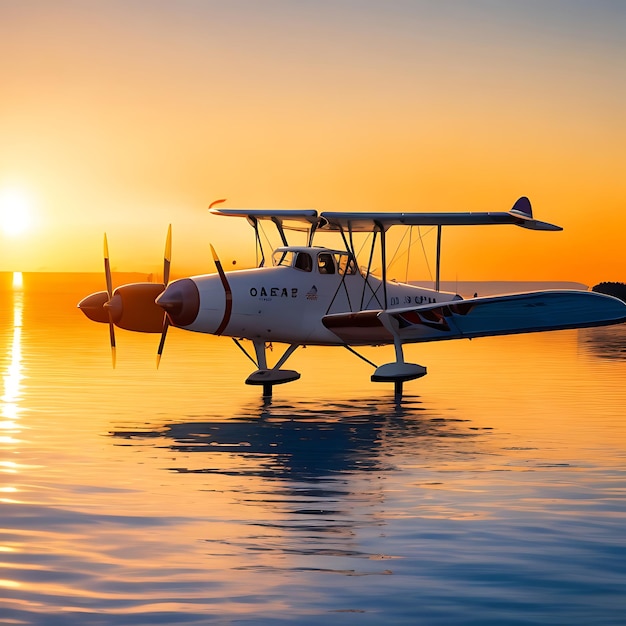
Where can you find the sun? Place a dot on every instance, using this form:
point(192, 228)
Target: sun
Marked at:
point(15, 214)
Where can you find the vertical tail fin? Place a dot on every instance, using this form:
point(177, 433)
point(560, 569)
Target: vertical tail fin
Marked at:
point(523, 207)
point(524, 213)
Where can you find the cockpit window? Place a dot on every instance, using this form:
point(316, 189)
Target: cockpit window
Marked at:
point(288, 258)
point(303, 262)
point(325, 263)
point(283, 258)
point(345, 264)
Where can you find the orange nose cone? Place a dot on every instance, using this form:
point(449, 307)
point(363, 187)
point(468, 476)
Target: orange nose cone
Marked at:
point(93, 307)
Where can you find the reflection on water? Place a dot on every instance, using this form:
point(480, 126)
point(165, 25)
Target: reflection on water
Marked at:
point(494, 493)
point(300, 441)
point(12, 376)
point(607, 342)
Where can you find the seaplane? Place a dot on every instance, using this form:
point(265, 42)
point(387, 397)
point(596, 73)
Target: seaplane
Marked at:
point(319, 296)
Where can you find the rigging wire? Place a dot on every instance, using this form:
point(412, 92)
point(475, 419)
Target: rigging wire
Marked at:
point(408, 254)
point(393, 258)
point(421, 238)
point(363, 244)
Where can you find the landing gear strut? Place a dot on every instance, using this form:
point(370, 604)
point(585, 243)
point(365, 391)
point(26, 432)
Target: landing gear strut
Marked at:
point(398, 372)
point(268, 377)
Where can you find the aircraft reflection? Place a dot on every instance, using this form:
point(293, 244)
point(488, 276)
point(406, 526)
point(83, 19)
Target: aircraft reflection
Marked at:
point(309, 475)
point(306, 441)
point(605, 342)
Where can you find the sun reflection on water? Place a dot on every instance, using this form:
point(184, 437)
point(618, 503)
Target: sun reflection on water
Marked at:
point(13, 375)
point(12, 391)
point(18, 280)
point(8, 467)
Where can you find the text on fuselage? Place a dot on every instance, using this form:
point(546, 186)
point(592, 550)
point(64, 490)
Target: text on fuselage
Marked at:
point(394, 301)
point(274, 292)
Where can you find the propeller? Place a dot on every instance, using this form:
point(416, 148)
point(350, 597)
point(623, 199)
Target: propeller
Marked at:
point(132, 306)
point(227, 292)
point(166, 279)
point(107, 274)
point(167, 257)
point(181, 300)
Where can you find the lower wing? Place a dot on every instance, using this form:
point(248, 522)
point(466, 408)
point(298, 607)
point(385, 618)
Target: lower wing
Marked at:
point(479, 317)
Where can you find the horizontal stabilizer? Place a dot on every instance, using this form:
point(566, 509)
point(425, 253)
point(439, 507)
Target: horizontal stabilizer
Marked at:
point(480, 317)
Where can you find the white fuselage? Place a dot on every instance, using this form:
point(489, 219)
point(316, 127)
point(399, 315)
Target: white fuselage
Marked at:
point(286, 304)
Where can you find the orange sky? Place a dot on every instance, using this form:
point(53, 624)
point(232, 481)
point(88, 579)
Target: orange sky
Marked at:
point(126, 116)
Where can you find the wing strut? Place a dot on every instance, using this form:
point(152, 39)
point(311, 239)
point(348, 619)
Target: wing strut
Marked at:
point(383, 254)
point(281, 232)
point(312, 234)
point(350, 349)
point(369, 271)
point(259, 243)
point(350, 248)
point(400, 371)
point(238, 344)
point(438, 268)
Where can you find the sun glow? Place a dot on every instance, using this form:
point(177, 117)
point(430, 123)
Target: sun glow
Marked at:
point(15, 212)
point(18, 280)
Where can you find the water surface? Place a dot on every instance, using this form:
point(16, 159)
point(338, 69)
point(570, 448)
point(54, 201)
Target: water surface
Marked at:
point(494, 493)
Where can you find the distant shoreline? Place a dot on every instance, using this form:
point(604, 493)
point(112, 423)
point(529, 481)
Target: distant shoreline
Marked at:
point(70, 281)
point(94, 281)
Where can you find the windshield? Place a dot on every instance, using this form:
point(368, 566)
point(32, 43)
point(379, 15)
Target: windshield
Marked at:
point(287, 258)
point(282, 257)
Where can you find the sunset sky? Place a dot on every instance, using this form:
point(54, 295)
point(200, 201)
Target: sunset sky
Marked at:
point(125, 116)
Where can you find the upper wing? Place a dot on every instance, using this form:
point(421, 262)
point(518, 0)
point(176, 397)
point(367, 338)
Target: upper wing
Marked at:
point(290, 219)
point(479, 317)
point(303, 219)
point(520, 215)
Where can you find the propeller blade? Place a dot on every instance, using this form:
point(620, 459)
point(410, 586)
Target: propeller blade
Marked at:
point(109, 280)
point(168, 256)
point(216, 202)
point(112, 335)
point(228, 294)
point(218, 263)
point(166, 325)
point(107, 268)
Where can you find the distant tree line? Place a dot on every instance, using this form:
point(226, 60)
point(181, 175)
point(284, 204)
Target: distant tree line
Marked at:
point(617, 290)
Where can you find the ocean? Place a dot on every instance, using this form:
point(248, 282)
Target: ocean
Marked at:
point(493, 492)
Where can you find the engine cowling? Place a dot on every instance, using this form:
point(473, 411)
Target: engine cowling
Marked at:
point(132, 307)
